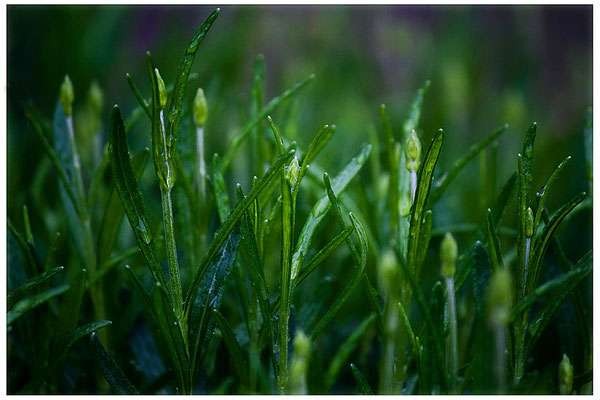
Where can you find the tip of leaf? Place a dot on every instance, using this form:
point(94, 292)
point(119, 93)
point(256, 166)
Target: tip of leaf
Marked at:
point(218, 10)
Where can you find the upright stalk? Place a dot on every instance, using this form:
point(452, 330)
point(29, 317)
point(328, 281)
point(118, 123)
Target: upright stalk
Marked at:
point(448, 255)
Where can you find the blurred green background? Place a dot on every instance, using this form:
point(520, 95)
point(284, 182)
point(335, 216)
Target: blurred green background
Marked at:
point(487, 65)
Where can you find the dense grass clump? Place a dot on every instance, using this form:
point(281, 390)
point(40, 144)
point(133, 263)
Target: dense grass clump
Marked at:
point(301, 280)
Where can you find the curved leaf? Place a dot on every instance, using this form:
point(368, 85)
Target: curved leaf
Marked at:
point(111, 371)
point(17, 294)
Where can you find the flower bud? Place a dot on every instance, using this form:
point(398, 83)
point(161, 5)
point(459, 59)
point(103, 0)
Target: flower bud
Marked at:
point(448, 255)
point(162, 90)
point(529, 223)
point(292, 171)
point(388, 266)
point(412, 152)
point(67, 96)
point(499, 297)
point(299, 365)
point(96, 98)
point(565, 376)
point(200, 108)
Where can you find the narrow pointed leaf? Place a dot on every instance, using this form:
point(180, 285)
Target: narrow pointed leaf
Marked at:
point(442, 184)
point(346, 349)
point(223, 232)
point(260, 116)
point(130, 193)
point(69, 310)
point(361, 381)
point(504, 198)
point(543, 195)
point(235, 352)
point(17, 294)
point(494, 243)
point(113, 375)
point(32, 302)
point(563, 289)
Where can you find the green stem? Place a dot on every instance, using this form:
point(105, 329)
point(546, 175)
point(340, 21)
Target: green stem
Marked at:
point(452, 344)
point(200, 164)
point(500, 366)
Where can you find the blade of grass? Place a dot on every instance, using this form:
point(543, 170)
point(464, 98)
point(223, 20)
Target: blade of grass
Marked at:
point(360, 268)
point(393, 164)
point(31, 263)
point(237, 140)
point(227, 226)
point(235, 352)
point(425, 177)
point(361, 381)
point(130, 193)
point(543, 317)
point(183, 73)
point(444, 182)
point(31, 302)
point(543, 195)
point(345, 350)
point(113, 213)
point(17, 294)
point(69, 311)
point(113, 375)
point(504, 198)
point(55, 362)
point(494, 243)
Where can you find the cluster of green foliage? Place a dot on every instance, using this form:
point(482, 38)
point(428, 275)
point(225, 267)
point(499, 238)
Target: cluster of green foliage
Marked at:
point(226, 311)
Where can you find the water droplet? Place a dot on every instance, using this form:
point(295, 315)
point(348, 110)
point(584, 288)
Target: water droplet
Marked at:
point(142, 228)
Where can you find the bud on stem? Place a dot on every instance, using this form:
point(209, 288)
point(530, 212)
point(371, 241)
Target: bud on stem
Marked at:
point(162, 90)
point(67, 96)
point(565, 376)
point(448, 255)
point(200, 108)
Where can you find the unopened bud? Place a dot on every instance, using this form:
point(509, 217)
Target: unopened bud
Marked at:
point(448, 255)
point(299, 365)
point(529, 222)
point(388, 267)
point(413, 152)
point(565, 376)
point(200, 108)
point(67, 96)
point(96, 98)
point(499, 297)
point(292, 171)
point(162, 90)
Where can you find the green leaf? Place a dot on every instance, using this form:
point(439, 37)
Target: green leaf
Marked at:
point(444, 182)
point(143, 103)
point(345, 350)
point(209, 296)
point(543, 195)
point(316, 145)
point(32, 302)
point(69, 311)
point(494, 242)
point(559, 284)
point(235, 352)
point(361, 381)
point(183, 73)
point(360, 269)
point(257, 278)
point(504, 198)
point(113, 375)
point(52, 251)
point(57, 361)
point(425, 236)
point(113, 213)
point(237, 140)
point(559, 288)
point(322, 206)
point(409, 330)
point(17, 294)
point(32, 267)
point(220, 190)
point(223, 232)
point(130, 193)
point(482, 271)
point(541, 245)
point(393, 165)
point(144, 296)
point(415, 110)
point(171, 332)
point(425, 176)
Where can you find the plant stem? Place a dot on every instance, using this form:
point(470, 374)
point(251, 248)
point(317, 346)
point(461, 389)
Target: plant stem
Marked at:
point(500, 366)
point(452, 344)
point(200, 164)
point(413, 185)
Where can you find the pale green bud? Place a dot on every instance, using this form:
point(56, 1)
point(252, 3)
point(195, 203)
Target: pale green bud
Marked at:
point(299, 365)
point(448, 255)
point(565, 376)
point(412, 152)
point(67, 95)
point(200, 108)
point(162, 90)
point(96, 98)
point(292, 171)
point(388, 267)
point(529, 222)
point(499, 297)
